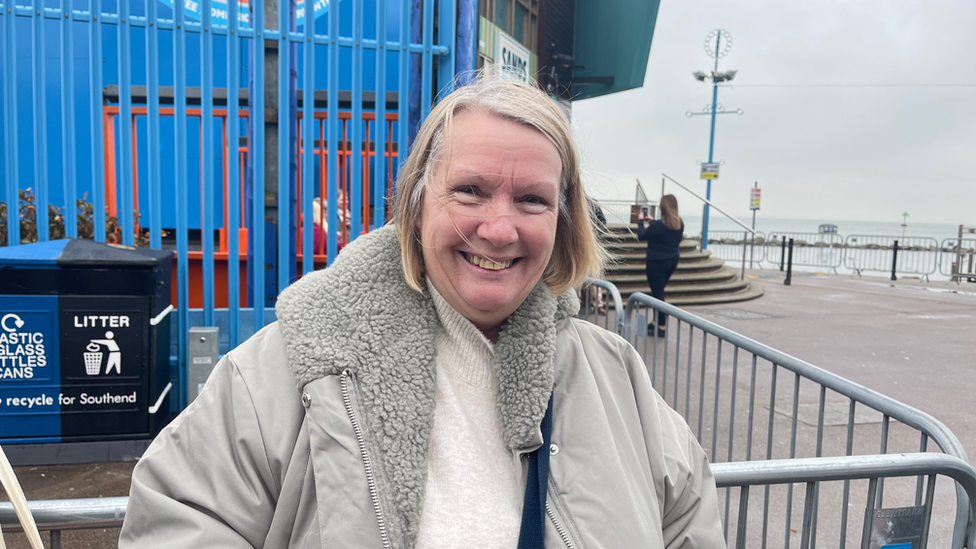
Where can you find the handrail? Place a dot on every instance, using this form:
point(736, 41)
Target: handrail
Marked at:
point(618, 308)
point(706, 201)
point(918, 419)
point(68, 514)
point(824, 469)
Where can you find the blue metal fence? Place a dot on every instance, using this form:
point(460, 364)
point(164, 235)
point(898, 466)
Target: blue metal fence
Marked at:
point(167, 171)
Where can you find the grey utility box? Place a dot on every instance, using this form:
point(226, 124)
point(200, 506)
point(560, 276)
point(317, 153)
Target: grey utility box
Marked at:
point(201, 359)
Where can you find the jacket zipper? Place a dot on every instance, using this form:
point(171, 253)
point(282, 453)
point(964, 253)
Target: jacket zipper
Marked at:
point(559, 527)
point(370, 479)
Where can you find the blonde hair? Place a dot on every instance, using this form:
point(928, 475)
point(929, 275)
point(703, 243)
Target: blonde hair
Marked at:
point(669, 212)
point(577, 253)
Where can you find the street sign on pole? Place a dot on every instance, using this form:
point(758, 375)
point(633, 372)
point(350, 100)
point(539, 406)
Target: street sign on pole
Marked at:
point(754, 195)
point(709, 170)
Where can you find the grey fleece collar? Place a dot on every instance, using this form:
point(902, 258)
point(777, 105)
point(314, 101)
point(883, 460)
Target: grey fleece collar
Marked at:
point(361, 315)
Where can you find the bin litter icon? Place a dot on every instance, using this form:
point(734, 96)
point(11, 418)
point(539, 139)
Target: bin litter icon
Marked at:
point(93, 359)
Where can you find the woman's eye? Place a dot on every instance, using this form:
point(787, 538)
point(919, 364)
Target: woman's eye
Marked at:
point(535, 204)
point(466, 194)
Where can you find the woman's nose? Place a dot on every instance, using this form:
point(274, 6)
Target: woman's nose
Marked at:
point(498, 229)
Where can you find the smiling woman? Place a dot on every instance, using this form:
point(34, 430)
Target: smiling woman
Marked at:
point(432, 387)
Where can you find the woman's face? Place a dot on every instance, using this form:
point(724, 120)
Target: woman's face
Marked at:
point(488, 222)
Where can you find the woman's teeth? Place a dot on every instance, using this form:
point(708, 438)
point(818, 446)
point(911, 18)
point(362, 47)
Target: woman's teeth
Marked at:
point(487, 263)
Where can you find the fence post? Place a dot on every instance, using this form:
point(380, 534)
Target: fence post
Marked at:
point(782, 253)
point(894, 260)
point(789, 265)
point(745, 241)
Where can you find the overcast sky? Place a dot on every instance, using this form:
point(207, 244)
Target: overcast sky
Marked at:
point(854, 110)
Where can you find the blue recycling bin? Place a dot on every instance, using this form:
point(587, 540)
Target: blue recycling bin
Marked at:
point(84, 342)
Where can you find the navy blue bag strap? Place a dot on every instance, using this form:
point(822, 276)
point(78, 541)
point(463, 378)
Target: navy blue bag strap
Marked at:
point(532, 534)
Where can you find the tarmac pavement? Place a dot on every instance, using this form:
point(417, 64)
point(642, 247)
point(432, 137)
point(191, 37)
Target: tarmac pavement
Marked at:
point(911, 340)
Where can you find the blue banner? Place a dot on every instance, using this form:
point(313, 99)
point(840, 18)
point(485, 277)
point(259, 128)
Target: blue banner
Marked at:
point(219, 11)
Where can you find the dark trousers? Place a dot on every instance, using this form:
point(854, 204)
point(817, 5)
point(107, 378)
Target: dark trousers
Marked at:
point(658, 273)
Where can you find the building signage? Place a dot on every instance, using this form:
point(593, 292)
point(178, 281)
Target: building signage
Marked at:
point(220, 11)
point(709, 170)
point(754, 195)
point(512, 58)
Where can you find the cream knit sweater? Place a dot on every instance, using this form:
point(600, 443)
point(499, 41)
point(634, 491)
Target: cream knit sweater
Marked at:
point(474, 495)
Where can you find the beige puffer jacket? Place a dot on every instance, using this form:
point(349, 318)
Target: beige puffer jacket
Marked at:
point(313, 433)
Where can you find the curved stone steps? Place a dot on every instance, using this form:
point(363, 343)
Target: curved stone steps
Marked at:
point(699, 278)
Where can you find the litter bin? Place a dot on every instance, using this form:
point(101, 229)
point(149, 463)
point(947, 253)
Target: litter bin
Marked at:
point(84, 342)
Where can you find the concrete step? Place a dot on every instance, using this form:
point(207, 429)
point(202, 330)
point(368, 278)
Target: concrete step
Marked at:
point(710, 264)
point(671, 291)
point(724, 274)
point(752, 291)
point(640, 256)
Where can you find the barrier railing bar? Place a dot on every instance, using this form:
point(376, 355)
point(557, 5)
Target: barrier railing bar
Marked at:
point(255, 237)
point(307, 147)
point(126, 134)
point(806, 530)
point(182, 189)
point(718, 382)
point(403, 120)
point(740, 530)
point(97, 123)
point(701, 385)
point(154, 161)
point(789, 489)
point(284, 191)
point(735, 375)
point(333, 125)
point(234, 201)
point(356, 198)
point(847, 483)
point(752, 408)
point(446, 27)
point(884, 450)
point(664, 365)
point(11, 144)
point(927, 520)
point(691, 341)
point(69, 156)
point(379, 181)
point(922, 447)
point(677, 363)
point(769, 445)
point(206, 164)
point(427, 66)
point(816, 489)
point(39, 87)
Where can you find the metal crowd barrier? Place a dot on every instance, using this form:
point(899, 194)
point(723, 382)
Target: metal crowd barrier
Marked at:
point(958, 258)
point(746, 401)
point(815, 474)
point(730, 246)
point(916, 255)
point(824, 250)
point(601, 304)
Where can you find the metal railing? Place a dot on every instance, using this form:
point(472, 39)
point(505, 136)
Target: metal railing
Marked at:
point(732, 245)
point(57, 515)
point(815, 476)
point(616, 211)
point(916, 255)
point(720, 381)
point(958, 259)
point(825, 250)
point(601, 304)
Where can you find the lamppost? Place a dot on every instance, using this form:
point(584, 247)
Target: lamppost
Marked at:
point(715, 53)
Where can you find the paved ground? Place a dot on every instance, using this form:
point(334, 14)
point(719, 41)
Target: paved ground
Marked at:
point(911, 340)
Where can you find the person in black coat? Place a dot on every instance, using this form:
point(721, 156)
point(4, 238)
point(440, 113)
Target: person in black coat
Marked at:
point(663, 238)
